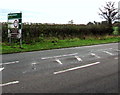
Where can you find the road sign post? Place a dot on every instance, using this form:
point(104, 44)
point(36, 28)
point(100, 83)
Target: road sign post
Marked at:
point(15, 27)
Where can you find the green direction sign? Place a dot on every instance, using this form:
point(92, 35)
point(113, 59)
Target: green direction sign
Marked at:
point(14, 16)
point(14, 25)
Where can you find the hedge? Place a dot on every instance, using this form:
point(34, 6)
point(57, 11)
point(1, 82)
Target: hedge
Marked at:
point(35, 32)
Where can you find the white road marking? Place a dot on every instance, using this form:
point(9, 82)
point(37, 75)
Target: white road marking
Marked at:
point(78, 58)
point(108, 52)
point(59, 56)
point(116, 58)
point(7, 63)
point(94, 50)
point(1, 69)
point(58, 61)
point(34, 63)
point(117, 50)
point(75, 68)
point(95, 55)
point(71, 48)
point(9, 83)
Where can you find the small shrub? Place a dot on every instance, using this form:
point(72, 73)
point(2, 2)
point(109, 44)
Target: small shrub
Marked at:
point(116, 31)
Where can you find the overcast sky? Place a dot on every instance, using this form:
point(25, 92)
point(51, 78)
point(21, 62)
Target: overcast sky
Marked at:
point(54, 11)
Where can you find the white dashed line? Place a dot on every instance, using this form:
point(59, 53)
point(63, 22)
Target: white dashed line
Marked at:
point(59, 56)
point(75, 68)
point(116, 58)
point(1, 69)
point(34, 63)
point(78, 58)
point(108, 52)
point(9, 83)
point(95, 55)
point(7, 63)
point(117, 50)
point(58, 61)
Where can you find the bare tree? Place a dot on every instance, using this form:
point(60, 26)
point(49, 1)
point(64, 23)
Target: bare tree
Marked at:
point(70, 22)
point(109, 12)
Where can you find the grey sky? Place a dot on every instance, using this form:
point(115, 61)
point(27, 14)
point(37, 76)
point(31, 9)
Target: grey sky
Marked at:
point(54, 11)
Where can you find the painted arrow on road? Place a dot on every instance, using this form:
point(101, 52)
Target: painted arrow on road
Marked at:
point(1, 69)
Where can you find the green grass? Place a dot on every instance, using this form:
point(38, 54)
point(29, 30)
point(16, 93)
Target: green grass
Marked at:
point(59, 44)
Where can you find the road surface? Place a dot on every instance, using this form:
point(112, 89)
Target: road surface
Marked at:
point(87, 69)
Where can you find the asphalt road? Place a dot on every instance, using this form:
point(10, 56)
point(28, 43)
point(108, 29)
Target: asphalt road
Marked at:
point(87, 69)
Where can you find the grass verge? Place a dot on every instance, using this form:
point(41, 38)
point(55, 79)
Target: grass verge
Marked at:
point(6, 49)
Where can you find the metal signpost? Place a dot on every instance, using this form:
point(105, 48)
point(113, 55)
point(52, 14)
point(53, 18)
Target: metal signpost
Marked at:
point(15, 27)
